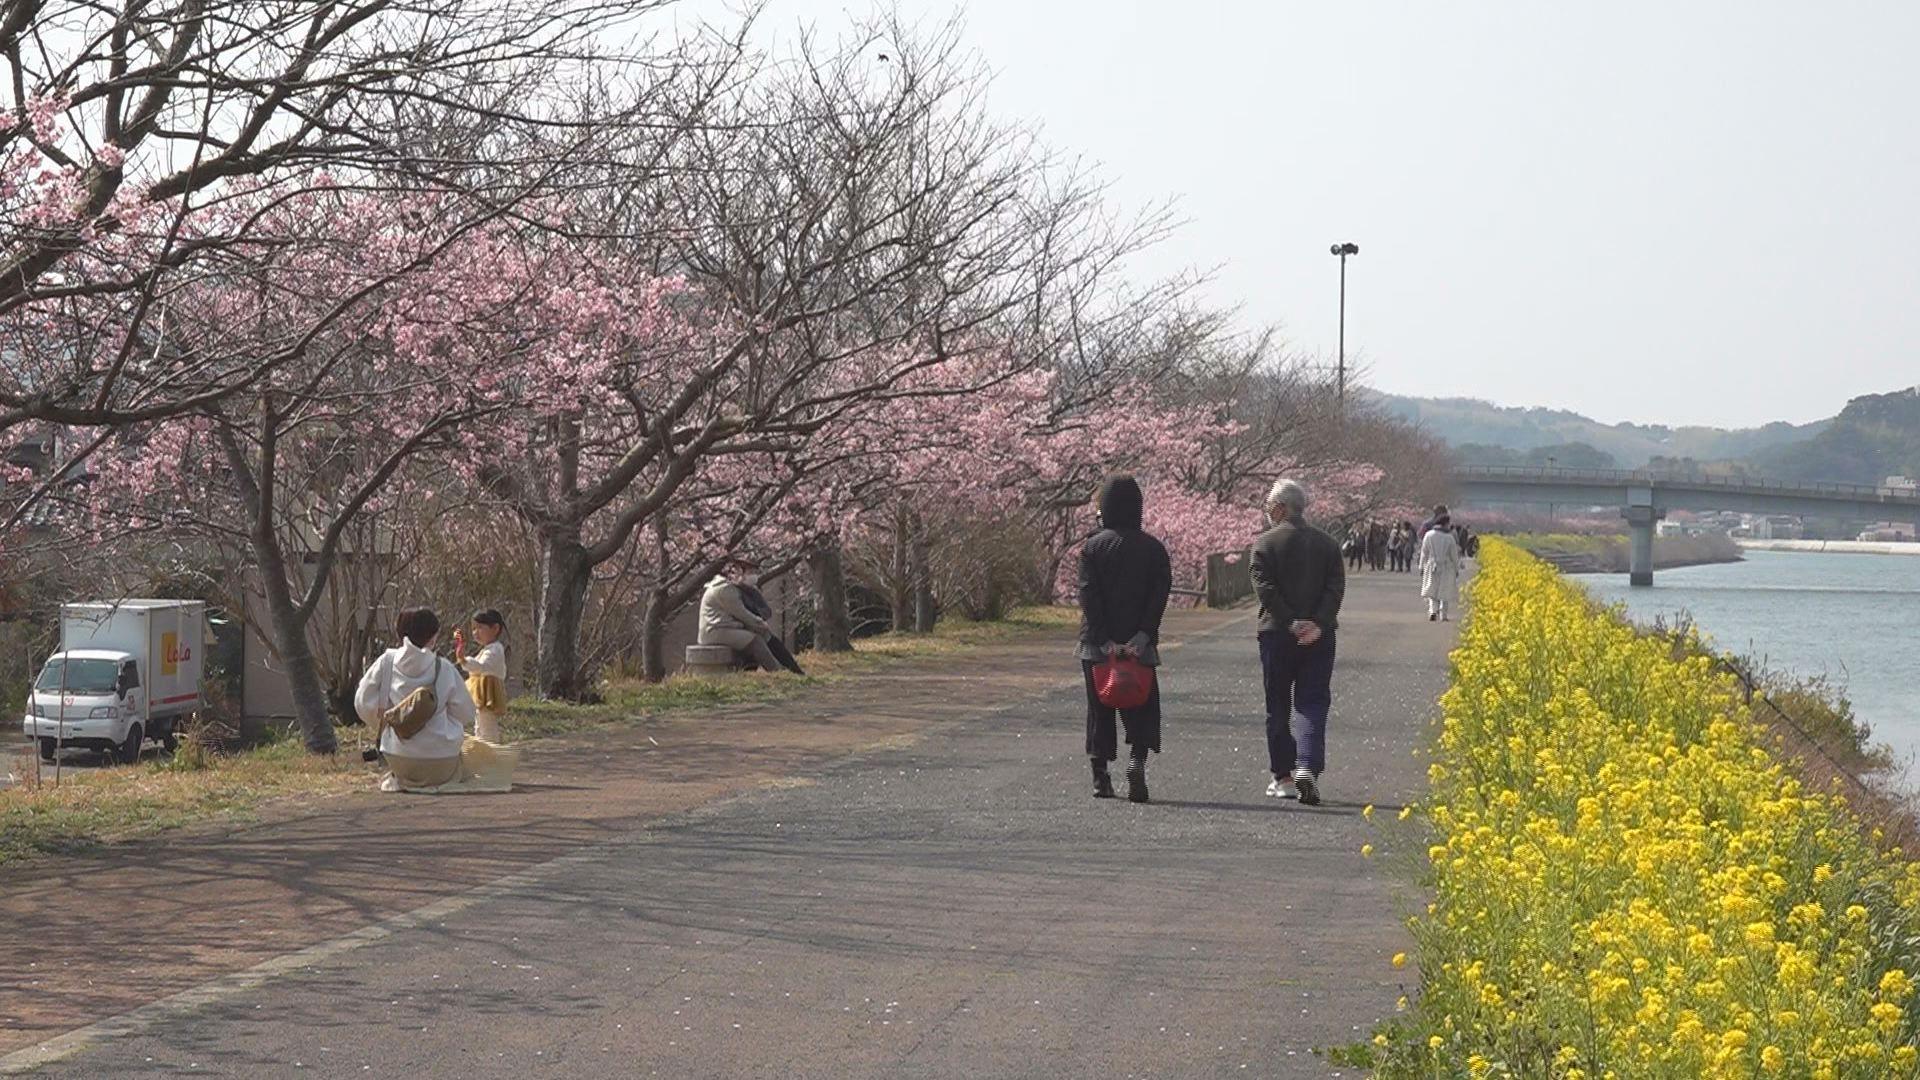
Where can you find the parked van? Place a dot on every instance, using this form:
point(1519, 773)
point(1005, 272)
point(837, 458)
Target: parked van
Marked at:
point(128, 672)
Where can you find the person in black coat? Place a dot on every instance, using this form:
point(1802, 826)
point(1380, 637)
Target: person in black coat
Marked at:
point(756, 602)
point(1125, 579)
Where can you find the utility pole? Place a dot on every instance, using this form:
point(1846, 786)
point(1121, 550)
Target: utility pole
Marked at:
point(1344, 250)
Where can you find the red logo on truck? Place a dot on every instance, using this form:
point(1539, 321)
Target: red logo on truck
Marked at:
point(173, 653)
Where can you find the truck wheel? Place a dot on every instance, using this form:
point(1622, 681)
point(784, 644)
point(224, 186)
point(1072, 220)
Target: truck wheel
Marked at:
point(48, 748)
point(130, 750)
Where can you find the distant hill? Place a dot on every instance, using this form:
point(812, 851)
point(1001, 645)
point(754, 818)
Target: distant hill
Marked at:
point(1874, 437)
point(1480, 430)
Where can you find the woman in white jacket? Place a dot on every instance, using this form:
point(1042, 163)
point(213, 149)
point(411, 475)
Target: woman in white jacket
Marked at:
point(1439, 569)
point(437, 757)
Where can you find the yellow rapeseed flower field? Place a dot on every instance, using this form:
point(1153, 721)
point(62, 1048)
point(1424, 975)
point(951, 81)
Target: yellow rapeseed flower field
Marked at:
point(1627, 882)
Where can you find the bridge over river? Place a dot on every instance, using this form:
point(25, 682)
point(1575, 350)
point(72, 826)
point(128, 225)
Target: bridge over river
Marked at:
point(1645, 497)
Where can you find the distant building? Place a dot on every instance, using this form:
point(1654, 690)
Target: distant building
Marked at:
point(1773, 527)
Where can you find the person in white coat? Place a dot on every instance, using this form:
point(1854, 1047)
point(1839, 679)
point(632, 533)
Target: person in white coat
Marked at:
point(438, 756)
point(1439, 570)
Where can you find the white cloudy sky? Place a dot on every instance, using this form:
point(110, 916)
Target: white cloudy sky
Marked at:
point(1691, 213)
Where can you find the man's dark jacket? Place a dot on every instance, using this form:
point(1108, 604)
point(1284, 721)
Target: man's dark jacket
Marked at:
point(1125, 579)
point(1298, 574)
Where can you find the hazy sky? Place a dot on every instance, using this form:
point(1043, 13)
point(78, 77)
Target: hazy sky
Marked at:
point(1684, 213)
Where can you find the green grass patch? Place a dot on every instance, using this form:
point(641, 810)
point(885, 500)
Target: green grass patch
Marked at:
point(531, 718)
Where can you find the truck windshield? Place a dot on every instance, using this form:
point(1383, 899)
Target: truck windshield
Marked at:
point(78, 676)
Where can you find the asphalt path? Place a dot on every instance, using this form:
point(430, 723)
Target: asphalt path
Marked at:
point(955, 905)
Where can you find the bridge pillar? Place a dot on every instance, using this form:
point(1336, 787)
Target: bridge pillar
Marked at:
point(1641, 515)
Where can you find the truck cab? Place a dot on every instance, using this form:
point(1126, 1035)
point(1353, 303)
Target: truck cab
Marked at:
point(94, 699)
point(127, 673)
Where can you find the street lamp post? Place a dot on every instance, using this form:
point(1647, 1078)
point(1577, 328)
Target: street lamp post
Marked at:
point(1550, 507)
point(1344, 250)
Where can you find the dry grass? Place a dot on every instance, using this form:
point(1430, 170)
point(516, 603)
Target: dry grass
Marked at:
point(98, 805)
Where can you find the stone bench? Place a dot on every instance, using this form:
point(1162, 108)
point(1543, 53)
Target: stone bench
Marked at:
point(710, 660)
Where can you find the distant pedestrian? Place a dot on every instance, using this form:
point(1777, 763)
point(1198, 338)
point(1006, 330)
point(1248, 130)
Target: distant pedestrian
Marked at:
point(1125, 579)
point(1427, 526)
point(1299, 579)
point(1376, 546)
point(486, 672)
point(1440, 570)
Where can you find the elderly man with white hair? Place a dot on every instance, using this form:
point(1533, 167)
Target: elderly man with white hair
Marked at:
point(1300, 580)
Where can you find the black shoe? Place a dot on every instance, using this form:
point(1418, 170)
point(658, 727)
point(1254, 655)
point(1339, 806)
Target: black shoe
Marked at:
point(1137, 780)
point(1102, 781)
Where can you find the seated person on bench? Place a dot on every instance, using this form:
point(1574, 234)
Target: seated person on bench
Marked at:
point(728, 616)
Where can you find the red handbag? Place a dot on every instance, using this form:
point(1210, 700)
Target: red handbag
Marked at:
point(1122, 682)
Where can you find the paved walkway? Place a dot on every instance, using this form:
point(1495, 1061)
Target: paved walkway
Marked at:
point(946, 901)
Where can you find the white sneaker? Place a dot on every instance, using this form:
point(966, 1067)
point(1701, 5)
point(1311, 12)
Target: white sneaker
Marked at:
point(1283, 789)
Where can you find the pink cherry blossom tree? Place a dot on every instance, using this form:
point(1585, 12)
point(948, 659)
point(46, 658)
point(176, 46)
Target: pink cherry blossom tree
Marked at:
point(320, 458)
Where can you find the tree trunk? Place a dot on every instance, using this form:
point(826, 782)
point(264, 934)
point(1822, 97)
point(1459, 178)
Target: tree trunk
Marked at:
point(925, 614)
point(831, 629)
point(653, 637)
point(653, 619)
point(991, 598)
point(289, 631)
point(564, 575)
point(902, 583)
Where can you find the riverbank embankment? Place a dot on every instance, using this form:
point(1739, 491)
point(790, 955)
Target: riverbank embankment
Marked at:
point(1835, 547)
point(1611, 553)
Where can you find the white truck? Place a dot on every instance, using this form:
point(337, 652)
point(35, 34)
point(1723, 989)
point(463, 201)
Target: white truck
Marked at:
point(127, 672)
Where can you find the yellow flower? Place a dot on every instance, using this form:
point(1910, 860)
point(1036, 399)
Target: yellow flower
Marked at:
point(1367, 811)
point(1379, 1040)
point(1401, 1005)
point(1593, 782)
point(1366, 851)
point(1400, 961)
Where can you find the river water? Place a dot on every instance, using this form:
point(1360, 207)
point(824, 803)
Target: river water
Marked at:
point(1852, 618)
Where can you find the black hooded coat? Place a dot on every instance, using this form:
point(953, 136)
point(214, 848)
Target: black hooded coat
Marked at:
point(1125, 578)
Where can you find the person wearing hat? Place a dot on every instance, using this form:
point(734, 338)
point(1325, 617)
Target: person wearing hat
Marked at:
point(1125, 579)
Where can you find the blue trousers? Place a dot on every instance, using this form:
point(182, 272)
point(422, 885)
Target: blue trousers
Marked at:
point(1299, 685)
